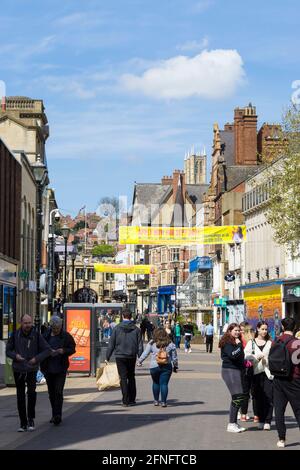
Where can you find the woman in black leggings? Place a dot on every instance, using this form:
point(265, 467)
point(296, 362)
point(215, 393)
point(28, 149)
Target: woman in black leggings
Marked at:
point(233, 368)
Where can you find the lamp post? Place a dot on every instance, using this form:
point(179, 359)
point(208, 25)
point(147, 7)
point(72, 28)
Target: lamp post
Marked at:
point(73, 257)
point(51, 244)
point(176, 282)
point(41, 177)
point(65, 231)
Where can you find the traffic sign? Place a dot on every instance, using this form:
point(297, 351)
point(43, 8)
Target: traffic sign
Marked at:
point(229, 277)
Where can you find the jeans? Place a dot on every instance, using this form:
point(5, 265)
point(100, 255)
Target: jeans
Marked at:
point(160, 377)
point(56, 383)
point(209, 343)
point(22, 379)
point(285, 391)
point(177, 341)
point(187, 341)
point(126, 369)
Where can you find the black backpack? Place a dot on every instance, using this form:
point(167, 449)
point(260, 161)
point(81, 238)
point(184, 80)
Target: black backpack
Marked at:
point(280, 363)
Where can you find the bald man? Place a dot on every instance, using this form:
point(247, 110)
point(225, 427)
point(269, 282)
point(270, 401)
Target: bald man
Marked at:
point(27, 348)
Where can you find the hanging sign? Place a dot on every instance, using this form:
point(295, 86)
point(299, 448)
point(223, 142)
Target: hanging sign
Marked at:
point(125, 268)
point(182, 235)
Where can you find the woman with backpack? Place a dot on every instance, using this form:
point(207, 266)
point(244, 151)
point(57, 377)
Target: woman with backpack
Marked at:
point(257, 351)
point(232, 355)
point(163, 362)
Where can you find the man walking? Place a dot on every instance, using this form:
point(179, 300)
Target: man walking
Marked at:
point(209, 336)
point(55, 367)
point(27, 348)
point(287, 389)
point(126, 341)
point(188, 330)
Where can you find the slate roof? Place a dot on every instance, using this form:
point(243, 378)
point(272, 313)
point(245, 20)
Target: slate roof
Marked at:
point(227, 138)
point(237, 174)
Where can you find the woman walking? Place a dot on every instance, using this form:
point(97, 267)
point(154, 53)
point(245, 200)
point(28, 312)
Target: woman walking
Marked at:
point(232, 355)
point(257, 351)
point(163, 362)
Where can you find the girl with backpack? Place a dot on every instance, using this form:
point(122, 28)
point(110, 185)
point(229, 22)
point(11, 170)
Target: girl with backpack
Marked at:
point(257, 351)
point(163, 362)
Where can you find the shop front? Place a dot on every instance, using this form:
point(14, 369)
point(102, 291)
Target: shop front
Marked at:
point(8, 290)
point(291, 297)
point(263, 301)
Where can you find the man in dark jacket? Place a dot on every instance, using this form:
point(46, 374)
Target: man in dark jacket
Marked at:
point(126, 341)
point(55, 367)
point(27, 348)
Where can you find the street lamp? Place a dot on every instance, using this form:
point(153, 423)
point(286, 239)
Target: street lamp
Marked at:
point(73, 257)
point(41, 177)
point(175, 282)
point(66, 232)
point(51, 244)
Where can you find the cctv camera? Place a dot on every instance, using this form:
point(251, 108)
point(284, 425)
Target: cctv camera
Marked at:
point(57, 216)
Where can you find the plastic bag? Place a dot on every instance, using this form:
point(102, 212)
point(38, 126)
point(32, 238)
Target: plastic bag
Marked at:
point(107, 377)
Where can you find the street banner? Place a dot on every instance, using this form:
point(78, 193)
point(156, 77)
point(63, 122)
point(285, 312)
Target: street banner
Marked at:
point(182, 235)
point(125, 268)
point(79, 326)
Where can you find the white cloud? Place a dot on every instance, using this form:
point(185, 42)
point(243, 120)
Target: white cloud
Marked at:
point(211, 74)
point(194, 45)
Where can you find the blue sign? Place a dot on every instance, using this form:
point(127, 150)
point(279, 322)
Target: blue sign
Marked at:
point(200, 263)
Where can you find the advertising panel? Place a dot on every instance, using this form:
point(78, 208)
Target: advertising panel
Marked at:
point(264, 304)
point(182, 235)
point(125, 268)
point(79, 326)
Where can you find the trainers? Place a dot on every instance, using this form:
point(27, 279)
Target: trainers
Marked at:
point(22, 428)
point(185, 350)
point(164, 405)
point(267, 427)
point(31, 425)
point(281, 443)
point(239, 415)
point(190, 350)
point(234, 427)
point(260, 426)
point(156, 403)
point(256, 419)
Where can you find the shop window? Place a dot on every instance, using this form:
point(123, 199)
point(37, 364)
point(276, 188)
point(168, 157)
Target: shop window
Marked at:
point(7, 311)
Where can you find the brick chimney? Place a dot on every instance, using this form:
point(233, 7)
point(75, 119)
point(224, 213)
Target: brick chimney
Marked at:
point(245, 136)
point(166, 180)
point(177, 174)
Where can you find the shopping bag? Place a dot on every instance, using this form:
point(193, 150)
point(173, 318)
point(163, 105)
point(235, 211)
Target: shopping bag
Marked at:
point(99, 372)
point(109, 377)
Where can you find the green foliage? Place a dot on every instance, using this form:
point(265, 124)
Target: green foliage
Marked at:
point(284, 195)
point(103, 250)
point(79, 225)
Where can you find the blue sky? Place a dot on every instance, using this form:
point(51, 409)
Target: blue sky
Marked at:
point(131, 85)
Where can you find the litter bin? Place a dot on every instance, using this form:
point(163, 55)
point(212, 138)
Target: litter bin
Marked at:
point(8, 373)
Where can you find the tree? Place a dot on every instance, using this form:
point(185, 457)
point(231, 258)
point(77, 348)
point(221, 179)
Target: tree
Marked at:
point(103, 250)
point(284, 192)
point(79, 225)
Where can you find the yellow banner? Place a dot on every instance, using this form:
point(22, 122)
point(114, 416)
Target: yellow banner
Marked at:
point(125, 268)
point(182, 235)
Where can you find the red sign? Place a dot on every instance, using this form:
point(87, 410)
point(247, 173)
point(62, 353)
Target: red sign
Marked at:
point(79, 326)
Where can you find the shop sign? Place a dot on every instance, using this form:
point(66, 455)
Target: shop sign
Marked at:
point(291, 293)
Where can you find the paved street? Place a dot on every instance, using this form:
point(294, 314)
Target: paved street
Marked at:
point(196, 417)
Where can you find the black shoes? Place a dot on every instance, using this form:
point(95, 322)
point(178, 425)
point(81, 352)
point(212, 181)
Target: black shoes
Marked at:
point(57, 420)
point(22, 428)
